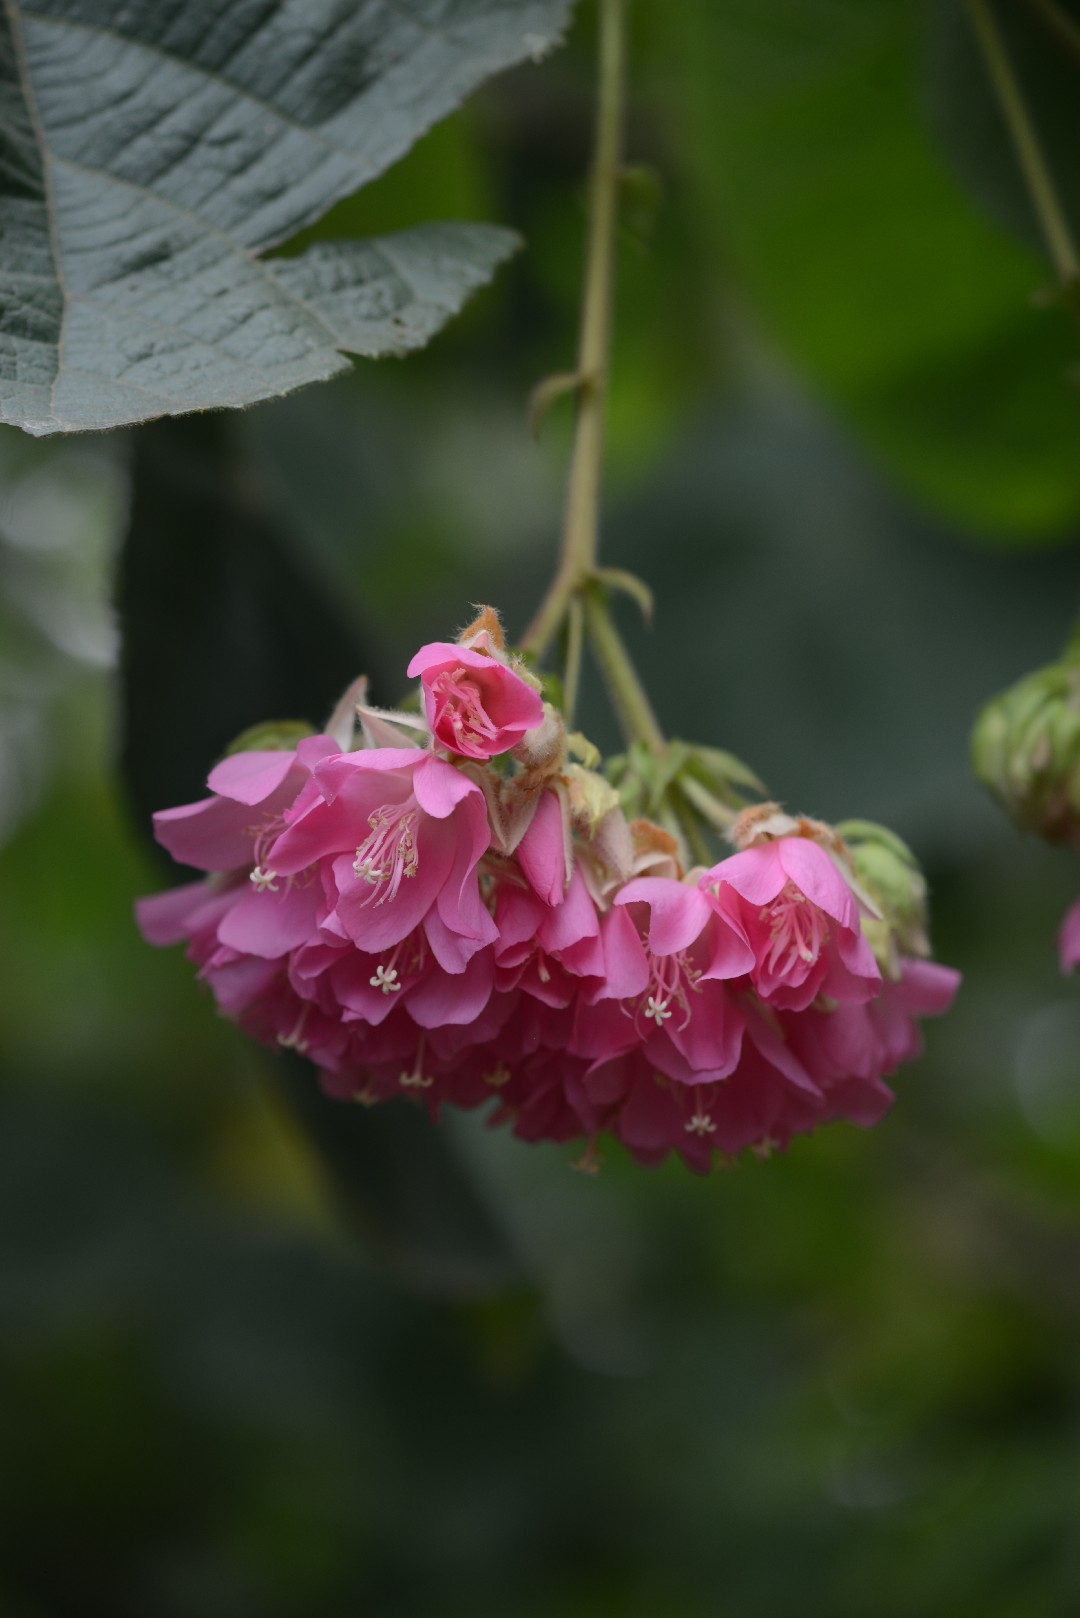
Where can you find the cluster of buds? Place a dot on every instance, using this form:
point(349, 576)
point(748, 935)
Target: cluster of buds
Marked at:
point(458, 905)
point(1026, 750)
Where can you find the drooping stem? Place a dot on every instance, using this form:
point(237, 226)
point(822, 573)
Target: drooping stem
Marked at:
point(1029, 155)
point(575, 636)
point(632, 705)
point(582, 513)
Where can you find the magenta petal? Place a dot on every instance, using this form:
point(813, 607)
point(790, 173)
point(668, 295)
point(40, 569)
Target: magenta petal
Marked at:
point(452, 951)
point(816, 875)
point(626, 965)
point(730, 954)
point(270, 924)
point(334, 773)
point(518, 914)
point(857, 955)
point(572, 921)
point(862, 1101)
point(929, 989)
point(779, 1054)
point(441, 1000)
point(440, 788)
point(756, 874)
point(251, 777)
point(214, 834)
point(677, 914)
point(445, 654)
point(542, 851)
point(459, 902)
point(650, 1117)
point(1069, 939)
point(163, 918)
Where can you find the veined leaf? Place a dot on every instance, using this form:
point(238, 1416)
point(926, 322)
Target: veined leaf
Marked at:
point(149, 153)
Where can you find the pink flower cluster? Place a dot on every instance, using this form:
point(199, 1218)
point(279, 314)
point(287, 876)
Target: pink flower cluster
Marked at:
point(466, 916)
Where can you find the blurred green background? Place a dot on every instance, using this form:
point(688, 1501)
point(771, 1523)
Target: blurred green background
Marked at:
point(844, 452)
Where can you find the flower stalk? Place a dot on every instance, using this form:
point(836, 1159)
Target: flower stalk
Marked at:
point(1029, 153)
point(581, 521)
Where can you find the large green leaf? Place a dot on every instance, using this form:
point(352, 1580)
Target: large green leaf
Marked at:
point(867, 263)
point(149, 153)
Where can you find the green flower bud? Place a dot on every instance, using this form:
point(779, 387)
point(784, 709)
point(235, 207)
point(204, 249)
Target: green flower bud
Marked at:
point(888, 874)
point(1026, 749)
point(271, 736)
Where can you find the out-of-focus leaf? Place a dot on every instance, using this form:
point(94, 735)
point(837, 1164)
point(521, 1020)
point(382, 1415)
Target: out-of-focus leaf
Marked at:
point(223, 626)
point(150, 153)
point(399, 1186)
point(842, 225)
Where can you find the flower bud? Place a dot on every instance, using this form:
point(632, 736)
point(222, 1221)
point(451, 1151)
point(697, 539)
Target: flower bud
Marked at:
point(887, 874)
point(1026, 749)
point(270, 736)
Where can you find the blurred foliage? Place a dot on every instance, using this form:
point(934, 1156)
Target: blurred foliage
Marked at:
point(844, 1382)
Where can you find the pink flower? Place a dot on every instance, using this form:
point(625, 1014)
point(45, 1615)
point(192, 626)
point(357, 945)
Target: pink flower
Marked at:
point(669, 957)
point(396, 836)
point(849, 1049)
point(476, 705)
point(790, 903)
point(1069, 939)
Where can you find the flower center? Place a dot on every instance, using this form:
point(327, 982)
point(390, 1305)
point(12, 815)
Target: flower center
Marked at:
point(408, 958)
point(798, 931)
point(462, 707)
point(388, 854)
point(671, 979)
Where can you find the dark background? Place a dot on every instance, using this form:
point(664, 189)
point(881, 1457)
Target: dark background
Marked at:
point(843, 452)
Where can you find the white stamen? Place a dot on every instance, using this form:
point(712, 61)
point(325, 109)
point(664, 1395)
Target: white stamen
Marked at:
point(415, 1081)
point(293, 1041)
point(385, 979)
point(389, 854)
point(263, 880)
point(657, 1009)
point(701, 1124)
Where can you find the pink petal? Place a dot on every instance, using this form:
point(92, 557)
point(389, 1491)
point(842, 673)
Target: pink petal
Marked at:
point(440, 788)
point(459, 902)
point(541, 853)
point(441, 999)
point(816, 875)
point(756, 875)
point(251, 777)
point(626, 966)
point(677, 914)
point(929, 989)
point(163, 918)
point(270, 924)
point(571, 922)
point(214, 834)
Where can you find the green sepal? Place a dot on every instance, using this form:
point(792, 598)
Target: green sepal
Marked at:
point(888, 873)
